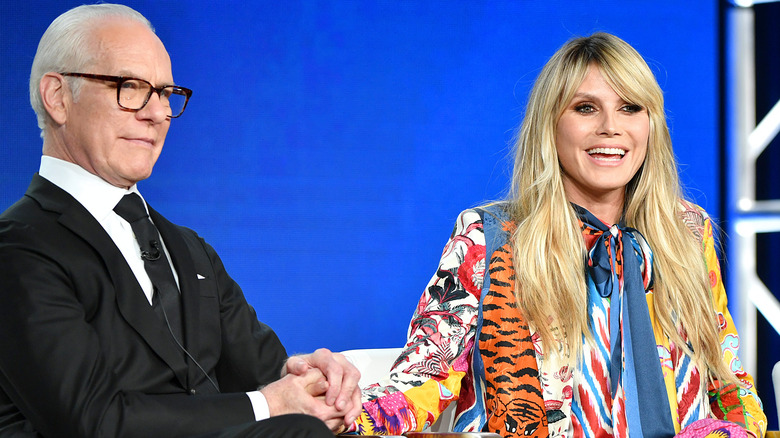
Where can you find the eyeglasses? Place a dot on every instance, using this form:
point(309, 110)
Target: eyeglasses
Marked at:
point(133, 93)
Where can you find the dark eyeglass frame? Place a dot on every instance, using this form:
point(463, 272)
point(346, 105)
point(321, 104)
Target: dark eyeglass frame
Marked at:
point(119, 80)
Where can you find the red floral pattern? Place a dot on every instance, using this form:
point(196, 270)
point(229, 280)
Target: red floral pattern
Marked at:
point(472, 271)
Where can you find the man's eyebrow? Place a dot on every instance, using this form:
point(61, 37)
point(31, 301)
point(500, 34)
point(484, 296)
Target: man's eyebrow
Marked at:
point(129, 74)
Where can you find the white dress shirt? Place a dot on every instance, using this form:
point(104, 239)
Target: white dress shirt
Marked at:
point(99, 198)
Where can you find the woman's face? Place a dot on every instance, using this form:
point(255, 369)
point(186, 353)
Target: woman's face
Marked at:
point(601, 142)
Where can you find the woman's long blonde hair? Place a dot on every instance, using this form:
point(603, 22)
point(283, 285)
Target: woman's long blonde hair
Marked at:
point(549, 252)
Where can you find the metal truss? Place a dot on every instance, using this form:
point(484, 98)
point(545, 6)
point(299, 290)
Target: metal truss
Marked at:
point(747, 217)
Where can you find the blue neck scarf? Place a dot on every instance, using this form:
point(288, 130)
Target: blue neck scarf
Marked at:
point(620, 264)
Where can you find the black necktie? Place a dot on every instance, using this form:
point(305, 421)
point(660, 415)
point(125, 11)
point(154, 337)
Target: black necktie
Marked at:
point(165, 299)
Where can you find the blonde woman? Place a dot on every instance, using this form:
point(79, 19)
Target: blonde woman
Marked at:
point(590, 303)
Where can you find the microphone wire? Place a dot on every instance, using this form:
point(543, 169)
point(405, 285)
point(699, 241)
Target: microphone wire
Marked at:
point(170, 330)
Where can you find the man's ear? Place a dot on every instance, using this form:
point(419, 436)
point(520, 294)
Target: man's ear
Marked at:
point(56, 96)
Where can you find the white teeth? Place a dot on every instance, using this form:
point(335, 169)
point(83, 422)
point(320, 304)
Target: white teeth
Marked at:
point(607, 151)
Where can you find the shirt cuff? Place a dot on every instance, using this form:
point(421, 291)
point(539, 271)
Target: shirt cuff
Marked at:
point(259, 405)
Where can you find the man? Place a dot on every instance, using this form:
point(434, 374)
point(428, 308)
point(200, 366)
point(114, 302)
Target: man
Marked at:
point(98, 336)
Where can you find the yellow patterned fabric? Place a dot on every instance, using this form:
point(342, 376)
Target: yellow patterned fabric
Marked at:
point(738, 405)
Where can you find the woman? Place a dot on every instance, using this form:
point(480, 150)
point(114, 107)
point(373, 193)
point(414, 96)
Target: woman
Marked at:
point(601, 310)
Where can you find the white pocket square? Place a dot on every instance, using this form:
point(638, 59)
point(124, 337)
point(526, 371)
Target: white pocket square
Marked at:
point(200, 277)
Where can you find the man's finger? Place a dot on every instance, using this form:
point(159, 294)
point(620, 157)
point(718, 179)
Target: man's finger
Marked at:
point(357, 407)
point(297, 365)
point(349, 384)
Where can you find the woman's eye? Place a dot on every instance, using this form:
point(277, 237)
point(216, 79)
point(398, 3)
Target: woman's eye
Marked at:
point(584, 108)
point(632, 108)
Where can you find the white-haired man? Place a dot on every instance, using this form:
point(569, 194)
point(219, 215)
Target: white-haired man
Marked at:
point(113, 321)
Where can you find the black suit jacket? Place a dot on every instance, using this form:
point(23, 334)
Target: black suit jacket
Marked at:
point(82, 353)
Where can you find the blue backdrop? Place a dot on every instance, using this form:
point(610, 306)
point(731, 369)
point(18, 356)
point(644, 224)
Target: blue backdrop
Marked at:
point(329, 145)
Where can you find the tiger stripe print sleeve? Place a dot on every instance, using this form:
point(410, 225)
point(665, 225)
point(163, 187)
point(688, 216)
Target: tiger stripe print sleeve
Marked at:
point(738, 405)
point(427, 376)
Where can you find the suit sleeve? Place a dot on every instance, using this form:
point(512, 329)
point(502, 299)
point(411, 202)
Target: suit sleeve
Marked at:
point(53, 365)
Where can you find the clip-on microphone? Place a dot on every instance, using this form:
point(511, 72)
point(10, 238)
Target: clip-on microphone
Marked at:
point(152, 253)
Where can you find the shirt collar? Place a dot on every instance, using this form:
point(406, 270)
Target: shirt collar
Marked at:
point(94, 193)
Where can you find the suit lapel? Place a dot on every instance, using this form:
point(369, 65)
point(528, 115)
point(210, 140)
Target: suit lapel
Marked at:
point(131, 300)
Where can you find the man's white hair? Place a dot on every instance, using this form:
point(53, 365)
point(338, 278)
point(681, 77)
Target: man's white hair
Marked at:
point(66, 46)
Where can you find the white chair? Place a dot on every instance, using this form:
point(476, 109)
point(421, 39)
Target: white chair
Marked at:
point(375, 363)
point(776, 382)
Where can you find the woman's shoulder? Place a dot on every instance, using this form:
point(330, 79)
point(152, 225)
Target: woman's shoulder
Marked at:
point(475, 221)
point(498, 210)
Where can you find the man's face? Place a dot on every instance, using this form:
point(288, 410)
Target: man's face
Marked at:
point(118, 145)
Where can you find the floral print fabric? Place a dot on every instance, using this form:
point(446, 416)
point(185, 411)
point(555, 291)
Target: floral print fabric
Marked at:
point(436, 367)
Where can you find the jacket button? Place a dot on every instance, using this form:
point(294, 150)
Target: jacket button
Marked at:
point(192, 391)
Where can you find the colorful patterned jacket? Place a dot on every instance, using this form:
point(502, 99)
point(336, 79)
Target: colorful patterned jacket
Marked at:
point(437, 366)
